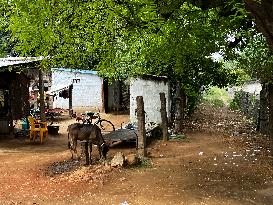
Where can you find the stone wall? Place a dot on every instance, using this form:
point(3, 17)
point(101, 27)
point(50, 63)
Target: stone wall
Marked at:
point(248, 103)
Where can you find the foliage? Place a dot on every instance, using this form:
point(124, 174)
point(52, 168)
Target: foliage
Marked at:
point(257, 59)
point(217, 97)
point(236, 101)
point(6, 46)
point(145, 163)
point(122, 38)
point(233, 105)
point(242, 74)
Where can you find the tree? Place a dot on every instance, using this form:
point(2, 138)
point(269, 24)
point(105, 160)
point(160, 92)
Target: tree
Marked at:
point(6, 46)
point(122, 38)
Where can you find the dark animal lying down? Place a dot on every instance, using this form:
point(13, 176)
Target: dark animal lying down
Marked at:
point(90, 133)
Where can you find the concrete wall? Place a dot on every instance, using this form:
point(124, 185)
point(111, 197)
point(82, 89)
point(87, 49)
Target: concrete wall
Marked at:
point(87, 88)
point(249, 87)
point(150, 90)
point(253, 88)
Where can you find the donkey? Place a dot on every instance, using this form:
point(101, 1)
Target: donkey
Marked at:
point(88, 132)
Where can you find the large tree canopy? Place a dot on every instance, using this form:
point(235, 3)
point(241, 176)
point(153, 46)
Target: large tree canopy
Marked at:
point(119, 36)
point(122, 38)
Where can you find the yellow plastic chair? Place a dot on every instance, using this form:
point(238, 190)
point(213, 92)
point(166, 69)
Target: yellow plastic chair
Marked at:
point(37, 127)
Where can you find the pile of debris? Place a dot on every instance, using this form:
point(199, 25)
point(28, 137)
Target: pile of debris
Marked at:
point(72, 171)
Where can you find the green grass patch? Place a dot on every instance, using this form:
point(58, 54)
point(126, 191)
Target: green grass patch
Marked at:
point(177, 137)
point(144, 163)
point(218, 97)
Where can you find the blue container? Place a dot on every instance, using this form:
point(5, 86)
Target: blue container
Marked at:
point(25, 124)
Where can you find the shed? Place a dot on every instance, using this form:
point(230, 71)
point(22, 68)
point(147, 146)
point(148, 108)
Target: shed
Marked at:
point(149, 87)
point(14, 90)
point(89, 92)
point(87, 88)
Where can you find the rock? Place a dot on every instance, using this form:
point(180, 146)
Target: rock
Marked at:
point(118, 160)
point(132, 159)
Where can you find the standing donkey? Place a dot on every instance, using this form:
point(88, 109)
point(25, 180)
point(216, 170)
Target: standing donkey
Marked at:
point(88, 132)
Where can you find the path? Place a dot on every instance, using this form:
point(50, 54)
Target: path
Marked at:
point(221, 161)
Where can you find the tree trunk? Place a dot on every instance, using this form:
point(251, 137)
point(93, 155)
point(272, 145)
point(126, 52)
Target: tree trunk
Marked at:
point(184, 103)
point(164, 117)
point(141, 133)
point(270, 116)
point(178, 110)
point(42, 96)
point(263, 112)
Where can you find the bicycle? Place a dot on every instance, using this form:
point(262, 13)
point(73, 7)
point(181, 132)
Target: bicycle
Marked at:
point(105, 125)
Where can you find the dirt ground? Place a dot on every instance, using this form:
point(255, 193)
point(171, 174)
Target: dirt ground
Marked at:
point(221, 160)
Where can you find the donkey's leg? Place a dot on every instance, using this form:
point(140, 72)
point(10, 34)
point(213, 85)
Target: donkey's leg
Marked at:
point(86, 145)
point(99, 149)
point(71, 146)
point(90, 151)
point(75, 149)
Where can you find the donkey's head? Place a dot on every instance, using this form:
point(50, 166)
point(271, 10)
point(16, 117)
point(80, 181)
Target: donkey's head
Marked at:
point(104, 148)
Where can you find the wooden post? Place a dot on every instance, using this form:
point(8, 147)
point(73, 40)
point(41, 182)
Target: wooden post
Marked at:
point(42, 96)
point(262, 124)
point(141, 132)
point(164, 118)
point(70, 89)
point(84, 152)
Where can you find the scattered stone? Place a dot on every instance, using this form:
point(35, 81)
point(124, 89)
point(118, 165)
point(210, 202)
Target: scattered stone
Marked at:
point(118, 160)
point(132, 159)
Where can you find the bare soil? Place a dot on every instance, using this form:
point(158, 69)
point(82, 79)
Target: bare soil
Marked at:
point(221, 160)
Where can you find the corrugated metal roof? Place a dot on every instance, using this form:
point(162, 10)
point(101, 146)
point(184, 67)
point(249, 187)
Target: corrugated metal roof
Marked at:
point(4, 62)
point(91, 72)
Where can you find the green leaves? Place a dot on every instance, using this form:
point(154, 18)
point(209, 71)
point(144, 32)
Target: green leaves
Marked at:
point(122, 38)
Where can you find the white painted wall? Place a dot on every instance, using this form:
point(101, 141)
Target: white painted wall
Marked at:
point(150, 90)
point(254, 88)
point(251, 87)
point(86, 93)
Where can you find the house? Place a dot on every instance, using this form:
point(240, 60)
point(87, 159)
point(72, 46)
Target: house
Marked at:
point(15, 75)
point(149, 87)
point(86, 92)
point(90, 91)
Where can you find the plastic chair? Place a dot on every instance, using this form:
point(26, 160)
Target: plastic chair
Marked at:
point(37, 127)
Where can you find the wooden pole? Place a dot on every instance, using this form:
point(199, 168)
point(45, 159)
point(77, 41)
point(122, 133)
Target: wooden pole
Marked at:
point(141, 132)
point(164, 118)
point(70, 89)
point(42, 96)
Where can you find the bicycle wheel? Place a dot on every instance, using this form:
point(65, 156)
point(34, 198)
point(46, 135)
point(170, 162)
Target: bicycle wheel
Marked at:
point(106, 126)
